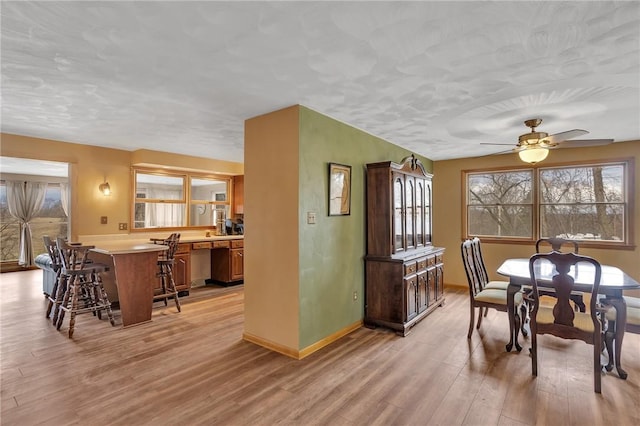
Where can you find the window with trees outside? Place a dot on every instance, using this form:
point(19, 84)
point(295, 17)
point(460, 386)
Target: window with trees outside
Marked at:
point(586, 202)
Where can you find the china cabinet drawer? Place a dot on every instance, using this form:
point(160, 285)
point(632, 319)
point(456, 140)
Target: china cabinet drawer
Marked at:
point(422, 264)
point(410, 268)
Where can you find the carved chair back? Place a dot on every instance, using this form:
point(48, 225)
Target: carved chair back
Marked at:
point(557, 244)
point(172, 242)
point(481, 268)
point(73, 257)
point(471, 267)
point(52, 250)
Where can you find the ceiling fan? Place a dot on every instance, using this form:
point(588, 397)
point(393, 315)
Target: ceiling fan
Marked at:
point(534, 146)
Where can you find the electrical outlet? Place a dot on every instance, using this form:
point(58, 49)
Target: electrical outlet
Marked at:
point(122, 226)
point(355, 295)
point(103, 220)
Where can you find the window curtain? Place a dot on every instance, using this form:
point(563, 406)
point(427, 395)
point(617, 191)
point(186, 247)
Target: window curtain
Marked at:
point(25, 199)
point(164, 214)
point(64, 198)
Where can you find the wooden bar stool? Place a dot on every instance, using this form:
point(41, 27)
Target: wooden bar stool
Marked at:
point(165, 270)
point(84, 291)
point(52, 250)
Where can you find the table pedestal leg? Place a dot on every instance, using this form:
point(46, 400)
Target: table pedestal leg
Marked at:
point(620, 324)
point(514, 326)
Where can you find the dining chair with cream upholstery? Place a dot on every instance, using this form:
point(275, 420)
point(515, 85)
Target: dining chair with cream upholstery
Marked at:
point(633, 326)
point(561, 320)
point(487, 283)
point(481, 295)
point(482, 269)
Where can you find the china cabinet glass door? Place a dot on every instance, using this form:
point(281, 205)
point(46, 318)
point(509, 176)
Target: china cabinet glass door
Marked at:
point(410, 194)
point(419, 212)
point(427, 213)
point(398, 213)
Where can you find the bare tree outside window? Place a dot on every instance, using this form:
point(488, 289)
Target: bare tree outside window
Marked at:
point(500, 204)
point(584, 202)
point(10, 234)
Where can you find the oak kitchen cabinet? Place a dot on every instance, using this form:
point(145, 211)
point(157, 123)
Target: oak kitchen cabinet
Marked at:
point(238, 195)
point(227, 261)
point(403, 271)
point(226, 257)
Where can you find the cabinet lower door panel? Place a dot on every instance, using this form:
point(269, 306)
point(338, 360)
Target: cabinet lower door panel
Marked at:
point(431, 286)
point(439, 282)
point(411, 300)
point(423, 293)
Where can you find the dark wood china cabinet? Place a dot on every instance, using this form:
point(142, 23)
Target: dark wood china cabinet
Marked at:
point(403, 271)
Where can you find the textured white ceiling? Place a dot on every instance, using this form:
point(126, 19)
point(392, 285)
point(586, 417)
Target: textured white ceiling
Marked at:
point(437, 78)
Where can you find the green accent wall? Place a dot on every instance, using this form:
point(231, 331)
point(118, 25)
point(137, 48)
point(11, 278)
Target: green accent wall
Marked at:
point(331, 252)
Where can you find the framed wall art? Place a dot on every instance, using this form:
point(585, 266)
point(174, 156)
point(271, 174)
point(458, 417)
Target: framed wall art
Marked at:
point(339, 189)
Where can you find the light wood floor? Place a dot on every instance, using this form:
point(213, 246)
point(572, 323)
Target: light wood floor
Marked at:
point(193, 368)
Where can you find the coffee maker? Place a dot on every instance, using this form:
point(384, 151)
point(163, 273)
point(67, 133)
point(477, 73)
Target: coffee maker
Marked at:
point(234, 227)
point(220, 218)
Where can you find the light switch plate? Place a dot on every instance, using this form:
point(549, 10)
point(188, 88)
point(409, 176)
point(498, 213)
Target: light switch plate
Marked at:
point(311, 218)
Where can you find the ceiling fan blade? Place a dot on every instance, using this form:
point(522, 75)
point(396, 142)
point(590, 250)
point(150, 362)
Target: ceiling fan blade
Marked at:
point(562, 136)
point(582, 143)
point(490, 143)
point(503, 152)
point(496, 153)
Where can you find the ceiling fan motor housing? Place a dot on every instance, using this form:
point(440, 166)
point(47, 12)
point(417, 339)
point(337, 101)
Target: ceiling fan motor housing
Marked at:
point(532, 138)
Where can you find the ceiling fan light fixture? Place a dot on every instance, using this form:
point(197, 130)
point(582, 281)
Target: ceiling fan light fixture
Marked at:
point(533, 155)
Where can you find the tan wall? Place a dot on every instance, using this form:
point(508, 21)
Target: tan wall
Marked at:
point(147, 158)
point(448, 199)
point(271, 204)
point(90, 166)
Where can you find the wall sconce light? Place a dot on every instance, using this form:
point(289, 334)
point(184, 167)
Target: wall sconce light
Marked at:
point(105, 188)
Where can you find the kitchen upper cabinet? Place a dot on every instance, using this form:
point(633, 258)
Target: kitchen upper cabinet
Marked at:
point(238, 194)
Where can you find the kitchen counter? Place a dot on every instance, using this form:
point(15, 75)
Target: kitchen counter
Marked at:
point(199, 239)
point(134, 270)
point(126, 247)
point(134, 259)
point(145, 238)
